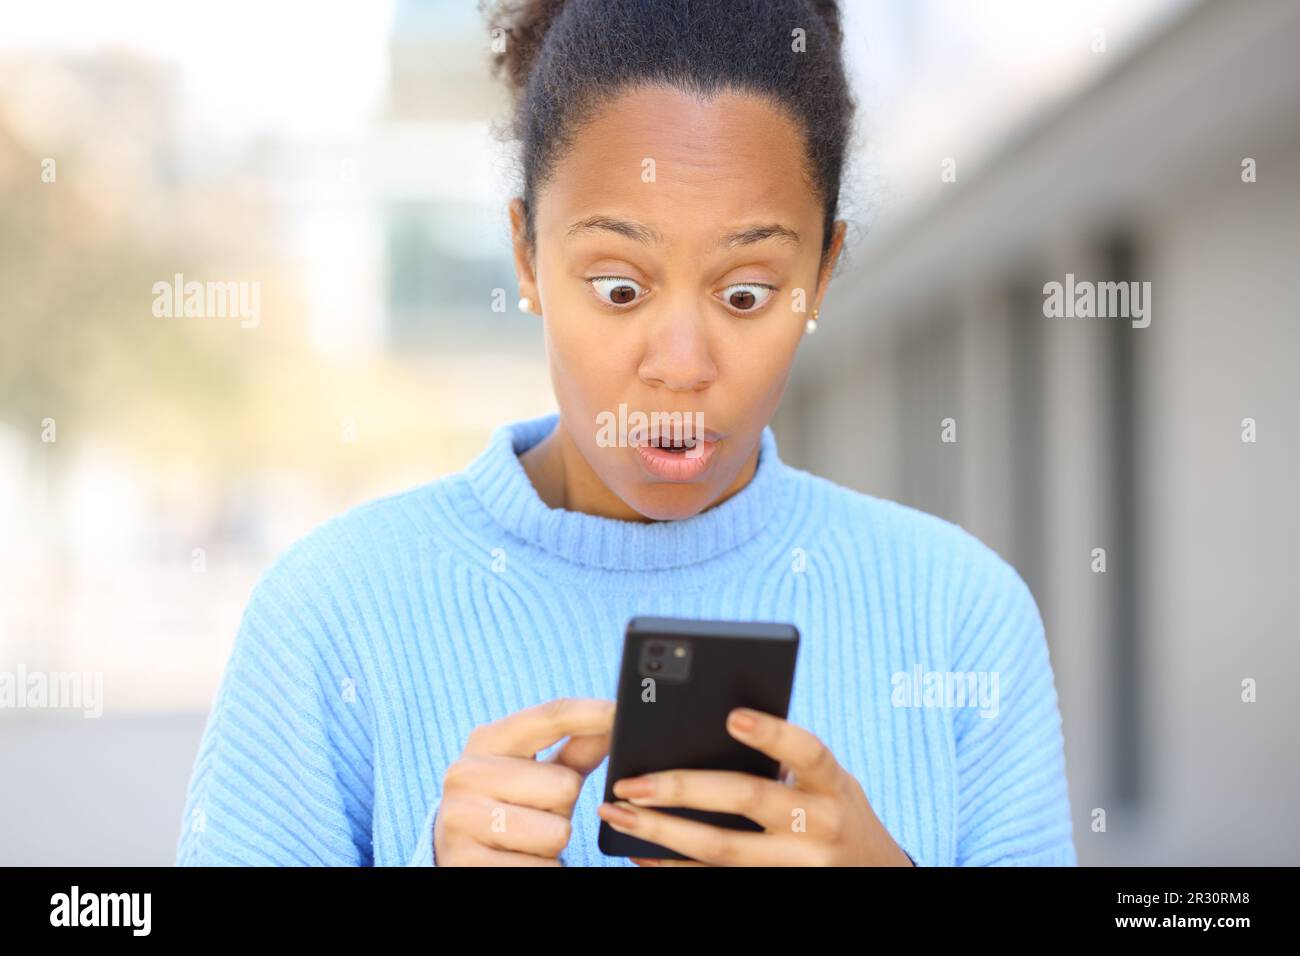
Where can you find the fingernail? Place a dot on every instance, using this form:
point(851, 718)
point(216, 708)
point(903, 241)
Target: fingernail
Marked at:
point(743, 720)
point(634, 787)
point(620, 817)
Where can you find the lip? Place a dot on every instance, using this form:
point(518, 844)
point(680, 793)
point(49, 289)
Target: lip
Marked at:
point(638, 435)
point(676, 466)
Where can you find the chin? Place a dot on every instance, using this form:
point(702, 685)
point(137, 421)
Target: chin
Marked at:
point(671, 502)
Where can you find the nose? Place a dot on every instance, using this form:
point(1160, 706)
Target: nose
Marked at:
point(677, 355)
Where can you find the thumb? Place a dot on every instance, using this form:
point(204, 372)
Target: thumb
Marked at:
point(582, 753)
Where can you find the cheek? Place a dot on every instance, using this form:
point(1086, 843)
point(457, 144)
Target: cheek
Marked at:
point(586, 375)
point(756, 360)
point(574, 337)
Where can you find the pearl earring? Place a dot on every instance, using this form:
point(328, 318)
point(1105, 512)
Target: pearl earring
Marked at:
point(525, 304)
point(811, 326)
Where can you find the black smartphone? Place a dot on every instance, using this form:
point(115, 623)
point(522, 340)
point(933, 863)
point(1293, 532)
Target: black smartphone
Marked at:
point(679, 680)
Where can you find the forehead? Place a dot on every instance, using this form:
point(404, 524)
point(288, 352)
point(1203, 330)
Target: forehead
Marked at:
point(685, 165)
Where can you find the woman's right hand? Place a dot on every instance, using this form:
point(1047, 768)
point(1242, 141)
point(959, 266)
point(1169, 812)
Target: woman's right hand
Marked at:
point(500, 805)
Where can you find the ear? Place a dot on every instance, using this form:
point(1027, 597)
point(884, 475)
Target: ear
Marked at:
point(524, 262)
point(838, 230)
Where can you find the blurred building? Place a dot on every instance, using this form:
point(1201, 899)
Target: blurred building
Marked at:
point(1074, 434)
point(441, 187)
point(401, 225)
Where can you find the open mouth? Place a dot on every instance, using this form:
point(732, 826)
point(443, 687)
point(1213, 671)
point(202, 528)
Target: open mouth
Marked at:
point(676, 454)
point(675, 450)
point(673, 439)
point(676, 447)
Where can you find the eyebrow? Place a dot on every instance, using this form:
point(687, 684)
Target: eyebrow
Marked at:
point(758, 233)
point(646, 235)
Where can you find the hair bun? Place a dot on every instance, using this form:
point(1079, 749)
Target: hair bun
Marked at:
point(523, 24)
point(829, 11)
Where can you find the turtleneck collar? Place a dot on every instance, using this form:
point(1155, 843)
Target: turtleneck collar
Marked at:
point(502, 486)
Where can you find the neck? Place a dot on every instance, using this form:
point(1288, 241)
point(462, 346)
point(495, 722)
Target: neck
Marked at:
point(565, 480)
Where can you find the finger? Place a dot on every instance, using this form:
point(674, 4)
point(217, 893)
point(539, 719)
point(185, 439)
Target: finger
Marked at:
point(766, 802)
point(706, 843)
point(544, 785)
point(505, 826)
point(813, 765)
point(526, 732)
point(476, 854)
point(583, 753)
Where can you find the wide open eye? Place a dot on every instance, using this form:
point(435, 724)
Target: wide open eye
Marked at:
point(616, 290)
point(747, 296)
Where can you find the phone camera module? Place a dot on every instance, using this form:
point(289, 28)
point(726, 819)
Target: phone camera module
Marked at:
point(665, 660)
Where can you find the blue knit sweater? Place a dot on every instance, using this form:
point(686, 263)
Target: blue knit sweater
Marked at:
point(373, 646)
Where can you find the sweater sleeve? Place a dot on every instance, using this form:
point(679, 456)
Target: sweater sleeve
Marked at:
point(1013, 803)
point(282, 776)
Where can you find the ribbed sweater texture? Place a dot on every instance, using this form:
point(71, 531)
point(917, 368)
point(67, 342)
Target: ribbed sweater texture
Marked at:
point(371, 648)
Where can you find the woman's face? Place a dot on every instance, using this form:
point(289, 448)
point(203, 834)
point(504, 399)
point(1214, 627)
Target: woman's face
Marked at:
point(676, 263)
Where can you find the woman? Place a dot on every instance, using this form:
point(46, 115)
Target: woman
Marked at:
point(399, 671)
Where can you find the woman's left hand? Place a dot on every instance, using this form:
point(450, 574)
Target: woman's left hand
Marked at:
point(816, 815)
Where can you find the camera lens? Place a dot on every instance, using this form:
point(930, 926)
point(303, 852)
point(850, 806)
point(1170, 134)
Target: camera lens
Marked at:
point(654, 665)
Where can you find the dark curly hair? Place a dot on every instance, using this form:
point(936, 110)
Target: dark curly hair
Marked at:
point(561, 57)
